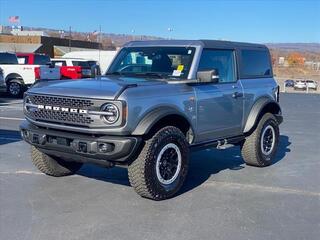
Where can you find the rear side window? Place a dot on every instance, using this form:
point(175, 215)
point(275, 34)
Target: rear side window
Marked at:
point(255, 64)
point(8, 58)
point(41, 59)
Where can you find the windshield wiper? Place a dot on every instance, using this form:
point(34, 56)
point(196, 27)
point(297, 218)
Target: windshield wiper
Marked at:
point(151, 74)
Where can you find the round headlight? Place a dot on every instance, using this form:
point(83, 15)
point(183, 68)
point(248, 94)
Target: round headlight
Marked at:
point(111, 113)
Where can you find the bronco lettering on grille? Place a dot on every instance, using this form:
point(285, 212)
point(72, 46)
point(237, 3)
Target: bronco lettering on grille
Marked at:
point(62, 109)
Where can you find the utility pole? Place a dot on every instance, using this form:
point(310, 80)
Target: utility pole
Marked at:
point(100, 41)
point(70, 39)
point(170, 30)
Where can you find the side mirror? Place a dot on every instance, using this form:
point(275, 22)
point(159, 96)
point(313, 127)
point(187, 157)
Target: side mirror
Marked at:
point(208, 76)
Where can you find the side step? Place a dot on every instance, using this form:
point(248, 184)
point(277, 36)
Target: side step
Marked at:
point(224, 144)
point(219, 144)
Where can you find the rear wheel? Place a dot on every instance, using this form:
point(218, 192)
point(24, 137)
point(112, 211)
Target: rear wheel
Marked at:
point(161, 168)
point(53, 166)
point(260, 147)
point(15, 88)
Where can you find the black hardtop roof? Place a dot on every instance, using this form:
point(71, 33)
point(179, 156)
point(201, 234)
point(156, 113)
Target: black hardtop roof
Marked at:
point(205, 43)
point(218, 43)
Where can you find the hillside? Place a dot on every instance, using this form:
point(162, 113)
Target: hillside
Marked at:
point(296, 47)
point(109, 40)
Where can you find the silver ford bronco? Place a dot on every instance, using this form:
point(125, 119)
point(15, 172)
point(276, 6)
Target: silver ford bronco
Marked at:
point(157, 101)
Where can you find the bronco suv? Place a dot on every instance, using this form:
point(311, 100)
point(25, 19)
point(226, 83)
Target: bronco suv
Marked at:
point(158, 101)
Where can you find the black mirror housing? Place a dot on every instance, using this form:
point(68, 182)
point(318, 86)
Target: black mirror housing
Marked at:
point(208, 76)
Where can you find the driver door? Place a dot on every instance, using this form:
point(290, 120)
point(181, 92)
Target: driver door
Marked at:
point(219, 105)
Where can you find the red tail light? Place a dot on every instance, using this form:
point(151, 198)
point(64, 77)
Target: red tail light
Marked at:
point(37, 73)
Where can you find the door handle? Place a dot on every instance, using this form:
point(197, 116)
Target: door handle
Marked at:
point(236, 94)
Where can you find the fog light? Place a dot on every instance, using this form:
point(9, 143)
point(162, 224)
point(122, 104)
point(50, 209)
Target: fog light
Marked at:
point(105, 147)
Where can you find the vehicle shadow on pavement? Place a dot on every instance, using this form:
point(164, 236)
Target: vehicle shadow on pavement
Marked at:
point(206, 163)
point(9, 136)
point(116, 175)
point(6, 98)
point(202, 165)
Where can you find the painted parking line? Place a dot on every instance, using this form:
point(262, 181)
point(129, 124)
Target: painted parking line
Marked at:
point(11, 107)
point(24, 172)
point(12, 118)
point(11, 103)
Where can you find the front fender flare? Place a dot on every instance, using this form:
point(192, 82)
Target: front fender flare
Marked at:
point(151, 118)
point(256, 111)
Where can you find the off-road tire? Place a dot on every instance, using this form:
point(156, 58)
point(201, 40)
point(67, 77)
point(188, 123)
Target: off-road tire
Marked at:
point(53, 166)
point(142, 171)
point(251, 148)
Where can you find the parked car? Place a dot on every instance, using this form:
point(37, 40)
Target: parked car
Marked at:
point(75, 68)
point(289, 83)
point(311, 84)
point(158, 100)
point(300, 85)
point(45, 71)
point(18, 77)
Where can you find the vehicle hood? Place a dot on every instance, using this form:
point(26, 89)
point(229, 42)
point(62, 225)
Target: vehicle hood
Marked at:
point(101, 87)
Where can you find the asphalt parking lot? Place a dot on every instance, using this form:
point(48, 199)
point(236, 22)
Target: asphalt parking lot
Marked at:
point(222, 198)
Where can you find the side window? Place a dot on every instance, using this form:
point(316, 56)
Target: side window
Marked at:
point(8, 58)
point(255, 63)
point(41, 59)
point(222, 60)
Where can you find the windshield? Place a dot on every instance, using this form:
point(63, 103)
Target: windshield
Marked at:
point(157, 62)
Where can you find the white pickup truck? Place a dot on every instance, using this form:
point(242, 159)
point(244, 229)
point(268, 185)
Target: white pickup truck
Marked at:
point(18, 77)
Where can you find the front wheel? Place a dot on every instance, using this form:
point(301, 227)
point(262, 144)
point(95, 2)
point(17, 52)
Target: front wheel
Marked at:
point(259, 148)
point(53, 166)
point(161, 168)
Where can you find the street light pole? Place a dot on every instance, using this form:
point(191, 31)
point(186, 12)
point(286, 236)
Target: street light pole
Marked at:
point(170, 30)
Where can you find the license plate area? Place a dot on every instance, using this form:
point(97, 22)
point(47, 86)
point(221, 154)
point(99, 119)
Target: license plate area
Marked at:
point(59, 141)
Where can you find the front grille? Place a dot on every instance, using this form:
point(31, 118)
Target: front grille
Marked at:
point(60, 101)
point(59, 116)
point(72, 118)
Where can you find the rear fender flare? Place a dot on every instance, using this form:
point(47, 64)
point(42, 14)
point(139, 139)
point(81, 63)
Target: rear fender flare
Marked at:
point(256, 111)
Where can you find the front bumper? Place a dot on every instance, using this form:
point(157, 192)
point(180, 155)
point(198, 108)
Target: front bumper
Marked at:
point(101, 149)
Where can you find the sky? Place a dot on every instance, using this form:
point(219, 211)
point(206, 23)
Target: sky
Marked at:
point(261, 21)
